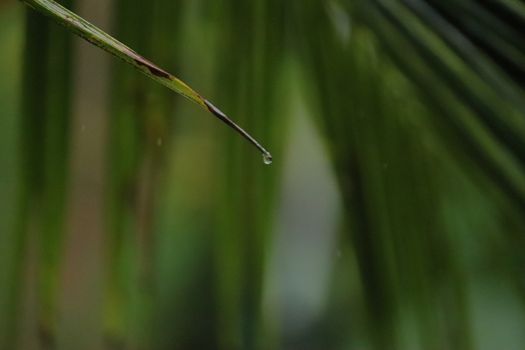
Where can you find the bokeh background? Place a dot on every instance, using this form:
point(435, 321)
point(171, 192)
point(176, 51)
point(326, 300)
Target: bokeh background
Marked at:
point(391, 218)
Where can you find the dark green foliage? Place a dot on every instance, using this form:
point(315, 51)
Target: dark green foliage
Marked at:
point(43, 153)
point(421, 107)
point(398, 151)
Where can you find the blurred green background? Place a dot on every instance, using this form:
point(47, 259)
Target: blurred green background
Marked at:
point(393, 216)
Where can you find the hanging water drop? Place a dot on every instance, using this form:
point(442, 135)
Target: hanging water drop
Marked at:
point(267, 158)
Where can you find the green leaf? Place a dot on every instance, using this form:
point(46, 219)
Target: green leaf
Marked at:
point(99, 38)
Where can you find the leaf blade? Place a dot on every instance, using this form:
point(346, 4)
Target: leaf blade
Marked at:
point(106, 42)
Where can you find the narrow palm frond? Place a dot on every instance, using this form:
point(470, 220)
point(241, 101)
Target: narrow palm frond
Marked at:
point(99, 38)
point(455, 64)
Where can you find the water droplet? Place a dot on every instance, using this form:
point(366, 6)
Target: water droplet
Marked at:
point(267, 158)
point(159, 142)
point(83, 128)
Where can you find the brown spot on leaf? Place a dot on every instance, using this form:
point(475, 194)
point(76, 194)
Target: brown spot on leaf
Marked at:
point(152, 68)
